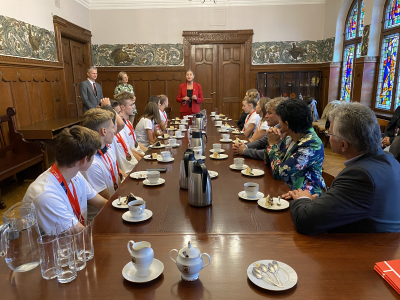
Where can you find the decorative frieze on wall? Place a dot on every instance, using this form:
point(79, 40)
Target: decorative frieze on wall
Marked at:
point(21, 39)
point(293, 52)
point(138, 55)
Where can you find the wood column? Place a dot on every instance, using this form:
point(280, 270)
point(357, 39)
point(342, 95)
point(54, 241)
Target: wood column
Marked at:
point(334, 81)
point(364, 77)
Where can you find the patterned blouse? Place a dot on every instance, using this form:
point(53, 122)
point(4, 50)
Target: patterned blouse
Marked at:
point(125, 88)
point(299, 166)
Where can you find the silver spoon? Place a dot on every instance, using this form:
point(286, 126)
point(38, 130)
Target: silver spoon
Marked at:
point(272, 270)
point(119, 201)
point(264, 269)
point(276, 268)
point(279, 203)
point(258, 274)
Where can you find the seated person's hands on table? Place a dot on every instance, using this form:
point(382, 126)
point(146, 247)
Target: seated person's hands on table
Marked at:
point(386, 142)
point(296, 194)
point(238, 148)
point(274, 135)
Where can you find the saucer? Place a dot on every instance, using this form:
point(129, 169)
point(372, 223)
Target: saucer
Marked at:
point(157, 147)
point(147, 182)
point(237, 132)
point(162, 138)
point(221, 151)
point(275, 206)
point(236, 168)
point(226, 120)
point(139, 175)
point(223, 131)
point(156, 269)
point(176, 146)
point(243, 195)
point(225, 141)
point(221, 156)
point(146, 215)
point(159, 159)
point(287, 275)
point(178, 137)
point(149, 157)
point(213, 174)
point(243, 141)
point(114, 203)
point(256, 173)
point(182, 129)
point(202, 157)
point(230, 128)
point(217, 125)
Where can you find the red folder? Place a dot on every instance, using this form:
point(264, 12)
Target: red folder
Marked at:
point(390, 271)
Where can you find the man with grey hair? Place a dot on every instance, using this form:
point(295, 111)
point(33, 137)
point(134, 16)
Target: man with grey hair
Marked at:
point(364, 197)
point(90, 91)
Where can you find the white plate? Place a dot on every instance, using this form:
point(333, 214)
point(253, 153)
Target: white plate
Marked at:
point(220, 151)
point(157, 147)
point(186, 124)
point(235, 168)
point(156, 269)
point(213, 174)
point(275, 206)
point(182, 129)
point(243, 141)
point(225, 141)
point(139, 175)
point(287, 275)
point(148, 157)
point(162, 138)
point(226, 120)
point(217, 125)
point(147, 182)
point(237, 132)
point(203, 157)
point(180, 137)
point(243, 195)
point(221, 156)
point(223, 131)
point(159, 159)
point(114, 203)
point(230, 128)
point(256, 173)
point(145, 216)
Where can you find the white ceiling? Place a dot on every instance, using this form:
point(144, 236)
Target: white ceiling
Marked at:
point(143, 4)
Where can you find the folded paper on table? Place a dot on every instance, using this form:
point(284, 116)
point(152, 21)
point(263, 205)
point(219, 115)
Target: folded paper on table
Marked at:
point(390, 271)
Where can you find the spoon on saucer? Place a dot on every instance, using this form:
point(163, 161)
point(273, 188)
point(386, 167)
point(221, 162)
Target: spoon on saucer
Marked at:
point(271, 269)
point(258, 274)
point(276, 268)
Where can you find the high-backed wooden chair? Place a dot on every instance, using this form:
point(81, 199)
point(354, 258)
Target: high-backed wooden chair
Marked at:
point(382, 124)
point(328, 178)
point(16, 154)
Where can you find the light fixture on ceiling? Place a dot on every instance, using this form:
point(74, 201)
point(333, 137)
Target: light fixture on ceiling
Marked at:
point(215, 1)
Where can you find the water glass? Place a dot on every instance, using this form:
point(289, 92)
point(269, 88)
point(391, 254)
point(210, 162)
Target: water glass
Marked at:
point(65, 259)
point(89, 250)
point(168, 147)
point(78, 235)
point(47, 246)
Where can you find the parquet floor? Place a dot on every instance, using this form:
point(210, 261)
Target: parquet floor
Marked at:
point(13, 192)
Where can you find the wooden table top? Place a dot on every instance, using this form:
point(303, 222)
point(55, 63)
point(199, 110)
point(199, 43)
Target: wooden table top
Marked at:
point(47, 130)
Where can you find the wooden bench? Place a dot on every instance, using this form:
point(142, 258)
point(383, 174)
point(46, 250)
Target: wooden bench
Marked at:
point(16, 154)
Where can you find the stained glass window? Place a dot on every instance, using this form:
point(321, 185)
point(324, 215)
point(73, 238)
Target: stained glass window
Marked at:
point(351, 26)
point(347, 73)
point(361, 26)
point(358, 50)
point(392, 17)
point(387, 68)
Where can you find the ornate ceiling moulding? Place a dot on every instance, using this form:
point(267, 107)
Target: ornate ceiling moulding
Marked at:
point(217, 37)
point(71, 30)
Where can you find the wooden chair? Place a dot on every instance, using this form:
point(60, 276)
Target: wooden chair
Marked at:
point(382, 124)
point(168, 111)
point(16, 154)
point(328, 178)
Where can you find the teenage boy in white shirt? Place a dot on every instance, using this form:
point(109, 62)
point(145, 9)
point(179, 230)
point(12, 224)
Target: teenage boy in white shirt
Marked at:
point(163, 114)
point(61, 193)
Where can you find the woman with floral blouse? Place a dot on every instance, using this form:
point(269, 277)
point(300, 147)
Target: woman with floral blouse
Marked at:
point(295, 152)
point(125, 87)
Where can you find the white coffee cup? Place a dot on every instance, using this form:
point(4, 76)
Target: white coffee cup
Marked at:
point(216, 117)
point(217, 147)
point(186, 117)
point(136, 208)
point(238, 161)
point(218, 123)
point(166, 155)
point(153, 176)
point(142, 257)
point(251, 189)
point(213, 113)
point(183, 121)
point(172, 142)
point(178, 134)
point(225, 136)
point(198, 151)
point(223, 128)
point(182, 127)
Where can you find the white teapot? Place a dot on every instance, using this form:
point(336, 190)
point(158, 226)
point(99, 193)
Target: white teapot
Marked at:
point(189, 261)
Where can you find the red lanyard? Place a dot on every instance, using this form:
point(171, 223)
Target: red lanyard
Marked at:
point(73, 200)
point(248, 118)
point(110, 168)
point(122, 142)
point(131, 129)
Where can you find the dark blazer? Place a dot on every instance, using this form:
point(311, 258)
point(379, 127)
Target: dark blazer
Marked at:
point(364, 197)
point(391, 126)
point(89, 99)
point(183, 93)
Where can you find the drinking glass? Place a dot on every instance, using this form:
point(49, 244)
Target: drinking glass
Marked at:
point(65, 259)
point(168, 147)
point(47, 246)
point(89, 250)
point(78, 234)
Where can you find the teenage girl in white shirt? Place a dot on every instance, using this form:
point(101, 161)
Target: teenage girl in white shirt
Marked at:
point(249, 107)
point(145, 128)
point(262, 125)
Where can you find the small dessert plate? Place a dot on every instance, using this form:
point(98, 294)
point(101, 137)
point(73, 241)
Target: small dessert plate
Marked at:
point(256, 172)
point(287, 275)
point(182, 129)
point(139, 175)
point(223, 131)
point(162, 138)
point(213, 174)
point(217, 125)
point(274, 206)
point(157, 147)
point(145, 216)
point(156, 269)
point(243, 141)
point(238, 169)
point(244, 196)
point(149, 157)
point(235, 132)
point(220, 151)
point(226, 119)
point(225, 141)
point(160, 181)
point(221, 156)
point(202, 157)
point(159, 159)
point(123, 205)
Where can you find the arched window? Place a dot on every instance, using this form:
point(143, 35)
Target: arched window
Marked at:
point(388, 75)
point(351, 46)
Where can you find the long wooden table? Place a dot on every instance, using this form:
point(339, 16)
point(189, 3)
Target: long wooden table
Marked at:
point(234, 232)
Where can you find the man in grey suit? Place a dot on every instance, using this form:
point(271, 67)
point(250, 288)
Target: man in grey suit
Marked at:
point(365, 196)
point(90, 91)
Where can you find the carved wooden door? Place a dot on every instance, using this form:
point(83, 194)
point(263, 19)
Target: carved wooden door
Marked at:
point(69, 77)
point(204, 65)
point(79, 70)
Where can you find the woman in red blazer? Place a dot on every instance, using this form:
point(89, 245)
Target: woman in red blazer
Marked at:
point(190, 95)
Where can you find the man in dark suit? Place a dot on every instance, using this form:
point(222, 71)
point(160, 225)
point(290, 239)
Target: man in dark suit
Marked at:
point(90, 91)
point(365, 196)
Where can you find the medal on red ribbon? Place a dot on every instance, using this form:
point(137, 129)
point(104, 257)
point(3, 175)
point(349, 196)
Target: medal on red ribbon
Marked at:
point(108, 164)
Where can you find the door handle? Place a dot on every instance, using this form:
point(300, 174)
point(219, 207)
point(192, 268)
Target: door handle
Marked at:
point(212, 93)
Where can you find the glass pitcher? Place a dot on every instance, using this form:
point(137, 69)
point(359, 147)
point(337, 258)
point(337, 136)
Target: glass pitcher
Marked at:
point(19, 235)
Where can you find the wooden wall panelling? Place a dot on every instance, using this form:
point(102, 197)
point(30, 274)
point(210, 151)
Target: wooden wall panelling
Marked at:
point(334, 82)
point(21, 103)
point(172, 87)
point(142, 93)
point(57, 99)
point(363, 88)
point(35, 100)
point(68, 78)
point(47, 101)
